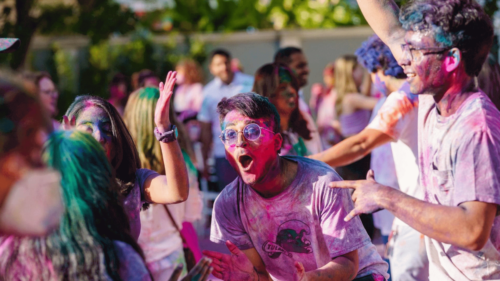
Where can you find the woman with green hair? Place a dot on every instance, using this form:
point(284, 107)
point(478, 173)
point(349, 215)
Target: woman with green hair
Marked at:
point(160, 237)
point(93, 241)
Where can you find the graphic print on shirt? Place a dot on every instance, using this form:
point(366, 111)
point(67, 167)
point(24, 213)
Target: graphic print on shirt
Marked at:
point(291, 238)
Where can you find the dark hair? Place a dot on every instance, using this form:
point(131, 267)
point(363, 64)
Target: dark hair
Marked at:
point(454, 23)
point(375, 54)
point(267, 81)
point(283, 55)
point(251, 105)
point(126, 161)
point(145, 74)
point(220, 52)
point(489, 80)
point(118, 79)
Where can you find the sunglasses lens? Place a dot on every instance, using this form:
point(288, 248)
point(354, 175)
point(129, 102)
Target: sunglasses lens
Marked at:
point(252, 132)
point(229, 136)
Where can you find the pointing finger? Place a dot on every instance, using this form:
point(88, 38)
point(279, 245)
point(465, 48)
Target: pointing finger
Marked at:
point(344, 184)
point(370, 175)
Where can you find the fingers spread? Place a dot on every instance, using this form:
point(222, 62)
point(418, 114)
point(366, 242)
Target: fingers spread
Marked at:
point(213, 255)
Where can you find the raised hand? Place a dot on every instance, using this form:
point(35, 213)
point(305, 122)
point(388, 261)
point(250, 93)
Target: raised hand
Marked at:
point(235, 266)
point(162, 110)
point(68, 124)
point(200, 271)
point(366, 193)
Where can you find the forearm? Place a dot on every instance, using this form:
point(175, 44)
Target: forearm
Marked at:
point(339, 269)
point(448, 224)
point(175, 172)
point(344, 153)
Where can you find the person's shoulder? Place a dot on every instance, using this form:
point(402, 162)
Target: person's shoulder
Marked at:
point(314, 169)
point(243, 78)
point(228, 196)
point(132, 266)
point(479, 114)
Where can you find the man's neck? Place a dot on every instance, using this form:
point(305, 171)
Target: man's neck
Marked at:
point(278, 178)
point(229, 79)
point(452, 98)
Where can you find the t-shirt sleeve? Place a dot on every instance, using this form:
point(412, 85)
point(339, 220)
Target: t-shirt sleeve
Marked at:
point(477, 169)
point(226, 223)
point(393, 117)
point(341, 237)
point(206, 105)
point(140, 178)
point(132, 266)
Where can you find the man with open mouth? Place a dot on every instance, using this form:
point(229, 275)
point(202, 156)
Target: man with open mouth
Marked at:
point(278, 218)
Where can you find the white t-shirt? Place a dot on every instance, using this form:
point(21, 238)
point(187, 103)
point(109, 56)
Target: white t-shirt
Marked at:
point(213, 93)
point(459, 160)
point(398, 119)
point(303, 223)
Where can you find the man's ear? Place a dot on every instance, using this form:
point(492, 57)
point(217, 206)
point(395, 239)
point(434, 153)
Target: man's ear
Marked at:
point(453, 59)
point(278, 142)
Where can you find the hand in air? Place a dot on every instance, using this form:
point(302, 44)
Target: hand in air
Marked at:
point(235, 266)
point(200, 271)
point(364, 196)
point(68, 124)
point(162, 110)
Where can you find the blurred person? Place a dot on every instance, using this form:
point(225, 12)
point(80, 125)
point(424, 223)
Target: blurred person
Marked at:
point(47, 92)
point(118, 92)
point(226, 83)
point(236, 65)
point(489, 80)
point(24, 178)
point(323, 100)
point(279, 219)
point(442, 46)
point(395, 123)
point(147, 78)
point(159, 238)
point(278, 83)
point(134, 81)
point(138, 187)
point(188, 95)
point(93, 241)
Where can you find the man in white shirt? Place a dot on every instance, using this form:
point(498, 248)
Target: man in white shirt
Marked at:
point(225, 84)
point(442, 45)
point(395, 123)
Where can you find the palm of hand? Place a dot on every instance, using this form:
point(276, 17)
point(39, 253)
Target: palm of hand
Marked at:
point(238, 268)
point(162, 110)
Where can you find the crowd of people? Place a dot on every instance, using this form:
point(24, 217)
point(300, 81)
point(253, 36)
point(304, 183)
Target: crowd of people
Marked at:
point(400, 142)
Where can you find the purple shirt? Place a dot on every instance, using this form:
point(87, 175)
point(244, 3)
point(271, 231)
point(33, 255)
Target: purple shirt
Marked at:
point(459, 161)
point(303, 223)
point(132, 204)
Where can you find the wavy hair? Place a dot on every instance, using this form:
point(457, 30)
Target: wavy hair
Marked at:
point(344, 80)
point(375, 54)
point(82, 248)
point(139, 118)
point(193, 71)
point(126, 162)
point(267, 81)
point(453, 23)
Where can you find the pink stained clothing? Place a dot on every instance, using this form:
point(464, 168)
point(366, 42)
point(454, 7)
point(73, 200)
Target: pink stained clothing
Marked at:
point(355, 122)
point(303, 223)
point(191, 237)
point(459, 161)
point(188, 97)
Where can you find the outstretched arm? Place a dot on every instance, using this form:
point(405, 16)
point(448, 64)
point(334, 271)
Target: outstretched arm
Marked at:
point(340, 268)
point(352, 149)
point(467, 226)
point(174, 186)
point(383, 18)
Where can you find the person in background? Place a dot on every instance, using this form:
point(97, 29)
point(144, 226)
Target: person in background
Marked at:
point(93, 241)
point(118, 92)
point(395, 124)
point(188, 95)
point(47, 92)
point(138, 186)
point(236, 65)
point(226, 83)
point(159, 238)
point(278, 83)
point(323, 99)
point(489, 80)
point(147, 78)
point(24, 178)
